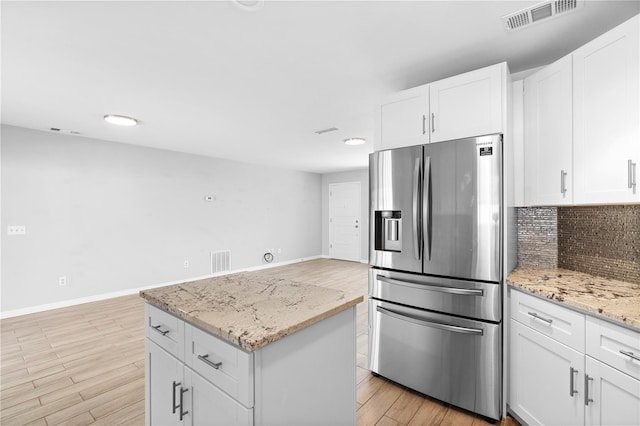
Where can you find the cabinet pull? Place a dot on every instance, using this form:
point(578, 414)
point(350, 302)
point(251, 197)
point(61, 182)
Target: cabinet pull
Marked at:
point(632, 175)
point(182, 392)
point(563, 186)
point(173, 397)
point(587, 379)
point(433, 122)
point(157, 328)
point(204, 358)
point(536, 316)
point(630, 355)
point(424, 124)
point(572, 391)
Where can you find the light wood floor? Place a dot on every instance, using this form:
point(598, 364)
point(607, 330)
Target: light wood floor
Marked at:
point(85, 364)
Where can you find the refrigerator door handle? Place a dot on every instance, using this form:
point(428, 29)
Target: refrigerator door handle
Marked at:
point(417, 231)
point(426, 210)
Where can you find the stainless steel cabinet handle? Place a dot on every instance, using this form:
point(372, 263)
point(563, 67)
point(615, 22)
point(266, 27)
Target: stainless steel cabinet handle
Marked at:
point(427, 323)
point(563, 186)
point(433, 122)
point(438, 288)
point(572, 391)
point(182, 392)
point(204, 358)
point(630, 355)
point(424, 124)
point(632, 175)
point(173, 397)
point(417, 230)
point(587, 379)
point(536, 316)
point(157, 328)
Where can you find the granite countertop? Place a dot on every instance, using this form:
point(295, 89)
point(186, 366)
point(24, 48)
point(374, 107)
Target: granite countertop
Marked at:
point(614, 300)
point(248, 309)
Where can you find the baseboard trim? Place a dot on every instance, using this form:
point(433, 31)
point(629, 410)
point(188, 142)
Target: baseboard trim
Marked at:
point(81, 300)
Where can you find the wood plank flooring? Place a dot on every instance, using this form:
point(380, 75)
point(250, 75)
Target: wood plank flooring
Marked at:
point(85, 364)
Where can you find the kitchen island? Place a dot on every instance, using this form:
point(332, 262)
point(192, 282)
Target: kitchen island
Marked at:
point(250, 348)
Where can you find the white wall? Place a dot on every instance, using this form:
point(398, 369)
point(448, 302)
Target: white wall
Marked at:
point(361, 176)
point(113, 217)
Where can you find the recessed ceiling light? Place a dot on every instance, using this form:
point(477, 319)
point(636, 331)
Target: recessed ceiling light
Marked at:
point(250, 5)
point(120, 120)
point(355, 141)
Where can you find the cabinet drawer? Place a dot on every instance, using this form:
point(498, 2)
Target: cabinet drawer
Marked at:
point(226, 366)
point(562, 324)
point(616, 346)
point(165, 330)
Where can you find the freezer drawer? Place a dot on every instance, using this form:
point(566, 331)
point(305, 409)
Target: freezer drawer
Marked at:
point(455, 360)
point(471, 299)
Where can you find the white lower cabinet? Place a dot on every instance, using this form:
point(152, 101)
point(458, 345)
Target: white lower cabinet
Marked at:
point(164, 382)
point(593, 380)
point(544, 383)
point(612, 397)
point(210, 406)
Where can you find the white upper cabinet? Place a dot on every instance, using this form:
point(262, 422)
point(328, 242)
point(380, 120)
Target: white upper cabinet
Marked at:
point(607, 117)
point(549, 135)
point(402, 119)
point(466, 105)
point(469, 104)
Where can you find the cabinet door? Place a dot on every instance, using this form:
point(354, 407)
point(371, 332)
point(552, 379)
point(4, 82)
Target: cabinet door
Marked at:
point(614, 397)
point(543, 373)
point(607, 117)
point(212, 407)
point(468, 104)
point(549, 135)
point(162, 372)
point(402, 120)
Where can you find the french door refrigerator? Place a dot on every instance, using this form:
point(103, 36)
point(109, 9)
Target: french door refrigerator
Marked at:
point(435, 283)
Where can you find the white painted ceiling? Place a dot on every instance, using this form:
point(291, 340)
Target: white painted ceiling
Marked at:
point(216, 79)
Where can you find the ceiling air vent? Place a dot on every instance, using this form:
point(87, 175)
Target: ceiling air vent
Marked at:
point(539, 12)
point(330, 129)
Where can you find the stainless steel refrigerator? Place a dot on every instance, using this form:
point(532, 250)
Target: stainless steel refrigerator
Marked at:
point(435, 283)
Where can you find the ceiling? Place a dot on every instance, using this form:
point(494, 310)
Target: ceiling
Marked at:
point(253, 84)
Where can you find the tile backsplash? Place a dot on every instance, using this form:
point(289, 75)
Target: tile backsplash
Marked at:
point(598, 240)
point(538, 236)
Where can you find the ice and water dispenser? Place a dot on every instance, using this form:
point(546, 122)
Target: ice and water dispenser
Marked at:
point(388, 230)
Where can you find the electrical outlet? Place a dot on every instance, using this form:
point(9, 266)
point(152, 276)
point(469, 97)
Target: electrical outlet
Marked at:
point(279, 250)
point(62, 281)
point(16, 230)
point(186, 264)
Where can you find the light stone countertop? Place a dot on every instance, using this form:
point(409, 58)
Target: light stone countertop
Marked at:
point(617, 301)
point(248, 309)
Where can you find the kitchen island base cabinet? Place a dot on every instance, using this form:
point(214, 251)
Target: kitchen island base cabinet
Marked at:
point(307, 377)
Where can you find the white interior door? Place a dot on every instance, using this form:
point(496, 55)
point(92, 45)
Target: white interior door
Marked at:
point(344, 221)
